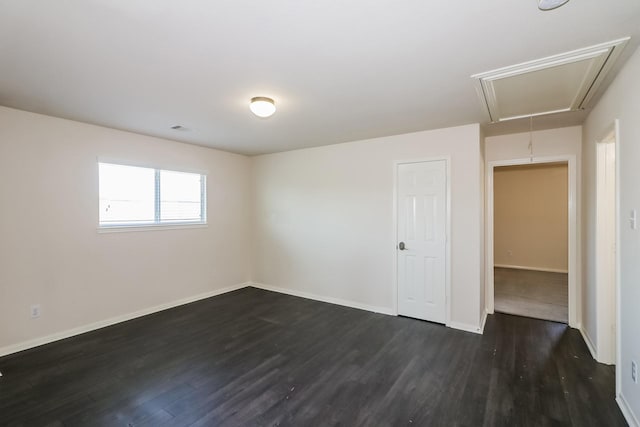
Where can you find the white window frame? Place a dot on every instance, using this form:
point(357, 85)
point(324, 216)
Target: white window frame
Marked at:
point(156, 225)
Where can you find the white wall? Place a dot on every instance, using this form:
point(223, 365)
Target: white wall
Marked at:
point(551, 142)
point(621, 101)
point(324, 219)
point(52, 254)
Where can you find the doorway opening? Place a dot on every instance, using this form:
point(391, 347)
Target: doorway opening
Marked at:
point(573, 262)
point(531, 240)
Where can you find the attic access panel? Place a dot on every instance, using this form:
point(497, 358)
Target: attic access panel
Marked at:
point(564, 82)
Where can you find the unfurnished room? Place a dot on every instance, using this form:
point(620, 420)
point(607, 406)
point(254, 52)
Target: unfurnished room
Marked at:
point(289, 213)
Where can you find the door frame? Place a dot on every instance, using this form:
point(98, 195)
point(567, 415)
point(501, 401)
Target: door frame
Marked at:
point(574, 290)
point(447, 291)
point(612, 132)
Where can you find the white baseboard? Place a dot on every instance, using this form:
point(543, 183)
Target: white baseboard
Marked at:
point(524, 267)
point(352, 304)
point(483, 322)
point(466, 327)
point(590, 345)
point(631, 418)
point(331, 300)
point(25, 345)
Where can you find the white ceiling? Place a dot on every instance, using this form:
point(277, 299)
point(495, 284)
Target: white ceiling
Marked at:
point(338, 70)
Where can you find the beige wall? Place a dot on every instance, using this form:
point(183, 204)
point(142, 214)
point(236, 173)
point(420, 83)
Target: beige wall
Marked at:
point(52, 254)
point(324, 222)
point(621, 101)
point(531, 217)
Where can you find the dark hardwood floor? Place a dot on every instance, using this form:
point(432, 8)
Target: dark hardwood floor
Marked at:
point(253, 358)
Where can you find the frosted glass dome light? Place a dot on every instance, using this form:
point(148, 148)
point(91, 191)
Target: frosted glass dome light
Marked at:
point(262, 106)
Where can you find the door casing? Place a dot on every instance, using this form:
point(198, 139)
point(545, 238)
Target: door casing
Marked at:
point(608, 343)
point(574, 290)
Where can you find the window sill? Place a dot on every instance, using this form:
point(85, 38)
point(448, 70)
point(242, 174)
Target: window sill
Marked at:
point(150, 227)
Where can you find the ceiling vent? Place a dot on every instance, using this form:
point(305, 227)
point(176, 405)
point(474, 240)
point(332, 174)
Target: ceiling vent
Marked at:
point(555, 84)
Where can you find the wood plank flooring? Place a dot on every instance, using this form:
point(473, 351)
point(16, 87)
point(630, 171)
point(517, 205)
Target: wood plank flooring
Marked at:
point(256, 358)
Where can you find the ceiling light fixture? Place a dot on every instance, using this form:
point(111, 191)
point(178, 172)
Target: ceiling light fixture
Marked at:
point(550, 4)
point(262, 106)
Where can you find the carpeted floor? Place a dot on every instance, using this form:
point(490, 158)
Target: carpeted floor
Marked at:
point(530, 293)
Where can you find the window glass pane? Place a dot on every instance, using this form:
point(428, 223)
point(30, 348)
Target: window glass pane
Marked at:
point(180, 196)
point(127, 194)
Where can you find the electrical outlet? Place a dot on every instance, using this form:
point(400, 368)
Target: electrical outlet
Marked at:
point(35, 311)
point(634, 371)
point(510, 253)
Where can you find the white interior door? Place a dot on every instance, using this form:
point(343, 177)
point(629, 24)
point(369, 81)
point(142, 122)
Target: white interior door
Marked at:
point(422, 239)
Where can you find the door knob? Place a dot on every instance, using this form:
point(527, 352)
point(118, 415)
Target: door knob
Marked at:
point(401, 246)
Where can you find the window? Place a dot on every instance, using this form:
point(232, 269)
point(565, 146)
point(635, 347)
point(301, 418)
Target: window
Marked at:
point(135, 196)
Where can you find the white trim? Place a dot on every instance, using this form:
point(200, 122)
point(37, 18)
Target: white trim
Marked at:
point(157, 198)
point(526, 116)
point(351, 304)
point(626, 410)
point(150, 227)
point(603, 313)
point(604, 55)
point(574, 290)
point(550, 61)
point(526, 267)
point(483, 321)
point(330, 300)
point(616, 125)
point(25, 345)
point(612, 132)
point(447, 159)
point(466, 327)
point(588, 342)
